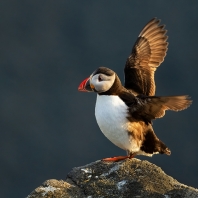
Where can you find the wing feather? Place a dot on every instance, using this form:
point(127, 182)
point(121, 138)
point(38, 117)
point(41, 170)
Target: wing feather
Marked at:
point(147, 54)
point(152, 107)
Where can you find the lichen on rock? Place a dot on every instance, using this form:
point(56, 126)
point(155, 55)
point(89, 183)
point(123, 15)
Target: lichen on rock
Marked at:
point(127, 178)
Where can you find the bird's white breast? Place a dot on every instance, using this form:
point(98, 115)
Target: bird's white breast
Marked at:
point(111, 115)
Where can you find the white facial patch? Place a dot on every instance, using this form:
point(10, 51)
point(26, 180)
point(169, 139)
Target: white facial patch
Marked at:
point(102, 82)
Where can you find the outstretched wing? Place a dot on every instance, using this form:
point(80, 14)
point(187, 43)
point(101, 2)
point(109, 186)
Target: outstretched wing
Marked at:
point(147, 54)
point(152, 107)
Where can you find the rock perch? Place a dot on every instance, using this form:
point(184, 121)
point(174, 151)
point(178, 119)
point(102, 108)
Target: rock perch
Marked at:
point(129, 178)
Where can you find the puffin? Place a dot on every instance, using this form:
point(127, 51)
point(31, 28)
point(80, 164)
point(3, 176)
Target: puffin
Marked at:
point(124, 113)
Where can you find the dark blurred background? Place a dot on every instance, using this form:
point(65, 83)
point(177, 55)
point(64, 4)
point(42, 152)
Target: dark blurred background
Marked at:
point(48, 47)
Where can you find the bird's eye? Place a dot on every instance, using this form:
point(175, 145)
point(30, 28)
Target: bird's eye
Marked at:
point(99, 78)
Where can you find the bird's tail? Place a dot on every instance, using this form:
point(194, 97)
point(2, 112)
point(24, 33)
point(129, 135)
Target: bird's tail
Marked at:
point(152, 144)
point(162, 148)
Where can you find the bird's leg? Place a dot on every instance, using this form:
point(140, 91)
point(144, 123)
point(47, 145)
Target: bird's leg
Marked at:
point(131, 155)
point(119, 158)
point(115, 159)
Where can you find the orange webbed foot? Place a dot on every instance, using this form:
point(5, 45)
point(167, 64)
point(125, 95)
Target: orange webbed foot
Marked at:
point(115, 159)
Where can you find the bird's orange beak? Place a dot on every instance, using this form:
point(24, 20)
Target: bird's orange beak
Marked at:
point(85, 86)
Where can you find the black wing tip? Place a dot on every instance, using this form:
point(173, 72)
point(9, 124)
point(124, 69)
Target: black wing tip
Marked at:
point(155, 22)
point(155, 19)
point(187, 97)
point(186, 102)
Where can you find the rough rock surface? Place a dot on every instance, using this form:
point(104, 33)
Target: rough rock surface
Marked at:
point(128, 178)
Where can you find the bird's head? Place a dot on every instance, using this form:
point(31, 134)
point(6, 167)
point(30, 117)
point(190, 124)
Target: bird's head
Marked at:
point(101, 80)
